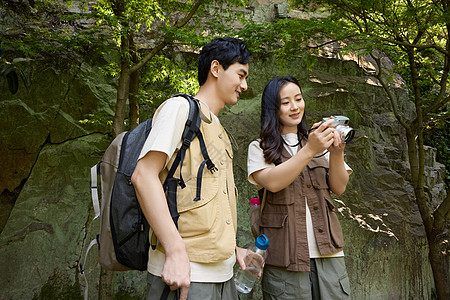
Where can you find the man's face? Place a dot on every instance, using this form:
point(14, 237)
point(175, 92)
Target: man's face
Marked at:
point(232, 82)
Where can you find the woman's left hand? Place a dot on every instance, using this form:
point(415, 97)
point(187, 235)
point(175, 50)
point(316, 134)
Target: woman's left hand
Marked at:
point(338, 145)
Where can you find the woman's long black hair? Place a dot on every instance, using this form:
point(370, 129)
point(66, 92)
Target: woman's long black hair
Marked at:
point(271, 140)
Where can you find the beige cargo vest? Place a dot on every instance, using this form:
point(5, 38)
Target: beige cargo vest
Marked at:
point(284, 218)
point(208, 226)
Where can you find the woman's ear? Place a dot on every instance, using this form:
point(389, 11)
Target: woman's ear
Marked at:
point(214, 69)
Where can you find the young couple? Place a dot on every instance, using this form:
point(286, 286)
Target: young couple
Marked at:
point(196, 260)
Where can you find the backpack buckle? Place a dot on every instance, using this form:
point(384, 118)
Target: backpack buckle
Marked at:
point(211, 166)
point(186, 143)
point(181, 183)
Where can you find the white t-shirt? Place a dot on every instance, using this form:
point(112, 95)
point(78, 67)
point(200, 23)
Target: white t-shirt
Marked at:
point(257, 162)
point(165, 136)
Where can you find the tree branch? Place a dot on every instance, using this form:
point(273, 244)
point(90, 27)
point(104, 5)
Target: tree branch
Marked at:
point(440, 101)
point(149, 56)
point(189, 16)
point(417, 46)
point(388, 92)
point(166, 39)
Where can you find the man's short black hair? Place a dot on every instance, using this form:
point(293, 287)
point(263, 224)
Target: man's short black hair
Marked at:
point(226, 51)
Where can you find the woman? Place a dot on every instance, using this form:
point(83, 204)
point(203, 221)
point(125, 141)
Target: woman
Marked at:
point(298, 168)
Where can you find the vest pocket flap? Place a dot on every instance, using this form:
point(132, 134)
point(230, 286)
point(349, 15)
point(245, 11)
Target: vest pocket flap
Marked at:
point(186, 196)
point(273, 220)
point(284, 197)
point(330, 204)
point(336, 235)
point(317, 170)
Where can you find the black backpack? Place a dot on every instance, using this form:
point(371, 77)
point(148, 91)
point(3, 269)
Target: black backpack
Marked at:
point(124, 232)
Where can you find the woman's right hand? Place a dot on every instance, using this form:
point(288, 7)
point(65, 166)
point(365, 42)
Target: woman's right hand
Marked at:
point(321, 138)
point(279, 177)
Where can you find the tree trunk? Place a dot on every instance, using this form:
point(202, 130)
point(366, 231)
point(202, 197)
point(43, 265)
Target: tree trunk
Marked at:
point(438, 257)
point(439, 261)
point(122, 95)
point(133, 99)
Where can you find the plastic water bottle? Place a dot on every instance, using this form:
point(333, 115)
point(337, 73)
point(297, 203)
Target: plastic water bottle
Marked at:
point(254, 260)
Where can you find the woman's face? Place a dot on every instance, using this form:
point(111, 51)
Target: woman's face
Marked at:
point(292, 107)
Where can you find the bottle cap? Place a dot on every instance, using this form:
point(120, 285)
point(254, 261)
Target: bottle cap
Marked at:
point(262, 242)
point(254, 202)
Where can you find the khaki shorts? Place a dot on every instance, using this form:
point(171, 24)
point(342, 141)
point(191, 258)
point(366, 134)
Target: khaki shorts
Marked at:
point(197, 290)
point(328, 279)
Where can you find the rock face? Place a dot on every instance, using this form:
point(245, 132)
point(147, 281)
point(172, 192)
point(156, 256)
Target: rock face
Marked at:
point(386, 249)
point(46, 156)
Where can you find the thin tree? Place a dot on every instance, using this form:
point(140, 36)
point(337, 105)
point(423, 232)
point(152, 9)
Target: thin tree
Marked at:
point(163, 22)
point(415, 35)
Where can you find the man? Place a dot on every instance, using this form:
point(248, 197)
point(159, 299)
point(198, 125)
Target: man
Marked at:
point(197, 258)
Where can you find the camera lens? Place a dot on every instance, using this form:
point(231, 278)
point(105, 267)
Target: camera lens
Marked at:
point(347, 133)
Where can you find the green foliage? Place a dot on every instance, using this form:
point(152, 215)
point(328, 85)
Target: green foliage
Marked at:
point(164, 76)
point(98, 120)
point(75, 31)
point(111, 69)
point(51, 30)
point(125, 16)
point(413, 34)
point(139, 25)
point(159, 23)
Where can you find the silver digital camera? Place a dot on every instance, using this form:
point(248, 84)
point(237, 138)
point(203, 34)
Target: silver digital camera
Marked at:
point(340, 123)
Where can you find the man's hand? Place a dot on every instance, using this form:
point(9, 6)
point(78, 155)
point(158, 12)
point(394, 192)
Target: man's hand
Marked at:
point(240, 258)
point(176, 272)
point(240, 255)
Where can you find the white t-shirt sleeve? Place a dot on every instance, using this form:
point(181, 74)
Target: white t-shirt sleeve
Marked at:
point(256, 161)
point(167, 127)
point(347, 167)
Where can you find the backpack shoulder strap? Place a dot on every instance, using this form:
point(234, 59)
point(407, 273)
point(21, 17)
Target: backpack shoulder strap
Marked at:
point(191, 130)
point(192, 126)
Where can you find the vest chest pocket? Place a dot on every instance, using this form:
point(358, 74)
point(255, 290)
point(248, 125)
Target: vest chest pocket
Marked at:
point(318, 173)
point(276, 227)
point(199, 216)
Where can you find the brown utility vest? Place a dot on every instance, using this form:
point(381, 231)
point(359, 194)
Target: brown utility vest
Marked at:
point(283, 218)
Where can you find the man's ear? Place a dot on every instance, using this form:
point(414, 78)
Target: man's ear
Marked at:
point(214, 68)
